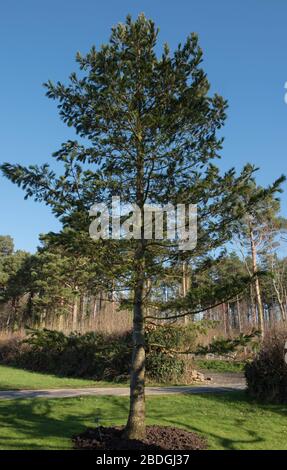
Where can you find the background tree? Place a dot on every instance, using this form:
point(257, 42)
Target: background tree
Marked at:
point(11, 282)
point(6, 245)
point(258, 231)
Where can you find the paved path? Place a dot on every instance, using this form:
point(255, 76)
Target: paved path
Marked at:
point(221, 383)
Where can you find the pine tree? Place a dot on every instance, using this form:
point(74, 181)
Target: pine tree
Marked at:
point(258, 229)
point(6, 245)
point(149, 135)
point(11, 283)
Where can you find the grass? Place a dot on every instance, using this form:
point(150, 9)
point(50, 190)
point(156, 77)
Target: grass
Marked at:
point(12, 378)
point(217, 365)
point(229, 421)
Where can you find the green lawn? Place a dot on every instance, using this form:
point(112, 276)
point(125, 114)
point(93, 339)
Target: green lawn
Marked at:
point(229, 421)
point(217, 365)
point(12, 378)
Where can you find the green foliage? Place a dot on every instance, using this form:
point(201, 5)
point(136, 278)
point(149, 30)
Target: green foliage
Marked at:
point(12, 275)
point(148, 129)
point(164, 345)
point(164, 368)
point(225, 346)
point(6, 245)
point(89, 355)
point(266, 375)
point(149, 124)
point(173, 338)
point(101, 357)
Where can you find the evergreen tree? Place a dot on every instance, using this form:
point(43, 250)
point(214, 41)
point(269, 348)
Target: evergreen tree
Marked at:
point(6, 245)
point(258, 230)
point(149, 130)
point(11, 284)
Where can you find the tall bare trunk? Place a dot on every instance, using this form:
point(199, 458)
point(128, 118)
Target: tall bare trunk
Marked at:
point(257, 284)
point(253, 307)
point(280, 302)
point(239, 314)
point(75, 314)
point(223, 310)
point(227, 316)
point(185, 285)
point(135, 428)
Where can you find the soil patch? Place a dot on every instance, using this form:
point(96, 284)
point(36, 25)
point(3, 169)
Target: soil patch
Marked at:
point(157, 438)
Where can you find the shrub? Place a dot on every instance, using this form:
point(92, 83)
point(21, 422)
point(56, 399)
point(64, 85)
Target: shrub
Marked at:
point(98, 356)
point(165, 343)
point(90, 355)
point(266, 375)
point(107, 357)
point(164, 368)
point(11, 348)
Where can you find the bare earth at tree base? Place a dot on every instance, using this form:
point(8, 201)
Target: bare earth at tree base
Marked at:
point(157, 438)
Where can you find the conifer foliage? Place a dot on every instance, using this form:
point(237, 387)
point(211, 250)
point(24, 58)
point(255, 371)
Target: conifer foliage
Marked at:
point(147, 132)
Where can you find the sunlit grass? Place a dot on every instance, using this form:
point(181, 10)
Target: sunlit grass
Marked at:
point(12, 378)
point(229, 421)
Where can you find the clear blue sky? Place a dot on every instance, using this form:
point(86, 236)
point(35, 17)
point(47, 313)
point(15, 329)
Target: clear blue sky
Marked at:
point(245, 56)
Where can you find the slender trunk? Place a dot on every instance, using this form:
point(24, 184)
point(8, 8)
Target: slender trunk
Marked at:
point(135, 428)
point(223, 309)
point(280, 302)
point(257, 284)
point(75, 314)
point(113, 297)
point(61, 322)
point(227, 316)
point(260, 307)
point(61, 319)
point(30, 310)
point(185, 286)
point(238, 314)
point(94, 312)
point(253, 308)
point(82, 312)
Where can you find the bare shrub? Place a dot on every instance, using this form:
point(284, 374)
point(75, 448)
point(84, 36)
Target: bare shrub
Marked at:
point(266, 375)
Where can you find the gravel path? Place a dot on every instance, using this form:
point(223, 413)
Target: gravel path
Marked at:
point(220, 383)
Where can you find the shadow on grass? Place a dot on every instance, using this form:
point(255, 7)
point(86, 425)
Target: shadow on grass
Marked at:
point(225, 419)
point(50, 424)
point(229, 431)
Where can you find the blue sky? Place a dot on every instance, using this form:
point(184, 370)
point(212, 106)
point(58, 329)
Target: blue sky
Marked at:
point(245, 56)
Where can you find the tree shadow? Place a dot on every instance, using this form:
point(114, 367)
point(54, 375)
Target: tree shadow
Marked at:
point(51, 423)
point(233, 400)
point(34, 424)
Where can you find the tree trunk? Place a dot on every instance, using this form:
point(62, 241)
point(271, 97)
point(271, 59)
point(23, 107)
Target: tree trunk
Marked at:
point(75, 314)
point(223, 310)
point(280, 302)
point(238, 314)
point(253, 308)
point(185, 286)
point(227, 316)
point(257, 284)
point(135, 428)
